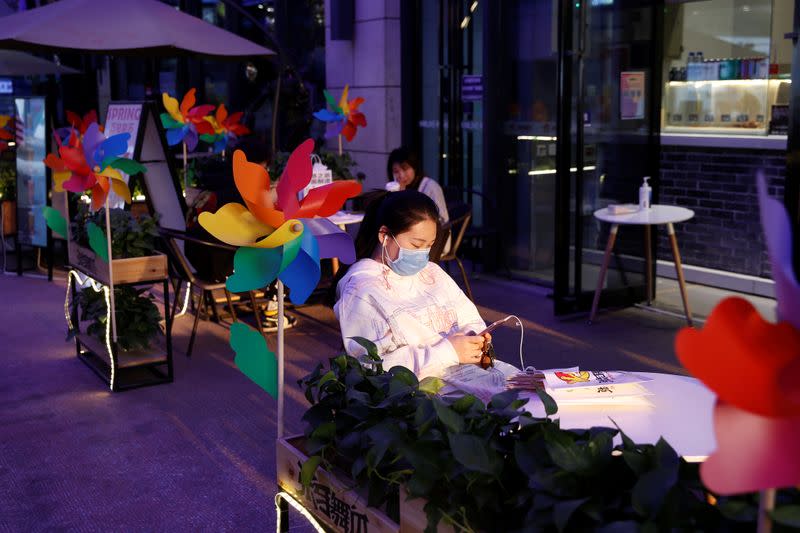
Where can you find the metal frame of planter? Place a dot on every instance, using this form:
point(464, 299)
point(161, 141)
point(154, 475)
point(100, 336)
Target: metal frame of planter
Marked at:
point(106, 359)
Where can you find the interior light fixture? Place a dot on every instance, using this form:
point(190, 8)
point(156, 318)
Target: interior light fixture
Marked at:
point(465, 22)
point(553, 171)
point(473, 7)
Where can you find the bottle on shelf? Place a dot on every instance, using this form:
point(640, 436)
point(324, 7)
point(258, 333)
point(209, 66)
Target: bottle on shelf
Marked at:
point(700, 69)
point(691, 67)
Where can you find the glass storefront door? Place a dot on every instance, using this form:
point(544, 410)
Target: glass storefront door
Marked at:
point(607, 141)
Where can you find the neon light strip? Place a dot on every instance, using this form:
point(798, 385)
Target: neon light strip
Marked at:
point(185, 300)
point(97, 286)
point(298, 507)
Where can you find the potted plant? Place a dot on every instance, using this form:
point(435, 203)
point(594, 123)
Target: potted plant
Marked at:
point(138, 318)
point(422, 461)
point(133, 241)
point(340, 165)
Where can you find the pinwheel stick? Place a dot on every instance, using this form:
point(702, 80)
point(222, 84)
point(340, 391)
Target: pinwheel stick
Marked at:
point(185, 166)
point(280, 359)
point(766, 504)
point(340, 144)
point(113, 310)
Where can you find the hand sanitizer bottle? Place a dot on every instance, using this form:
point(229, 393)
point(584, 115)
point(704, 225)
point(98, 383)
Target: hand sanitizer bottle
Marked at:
point(645, 193)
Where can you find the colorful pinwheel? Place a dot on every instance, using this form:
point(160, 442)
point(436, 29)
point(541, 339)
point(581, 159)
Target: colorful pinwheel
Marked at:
point(94, 164)
point(76, 124)
point(279, 240)
point(272, 238)
point(753, 367)
point(185, 122)
point(227, 129)
point(342, 118)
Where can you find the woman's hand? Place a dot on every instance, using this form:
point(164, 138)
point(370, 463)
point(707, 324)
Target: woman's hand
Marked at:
point(469, 348)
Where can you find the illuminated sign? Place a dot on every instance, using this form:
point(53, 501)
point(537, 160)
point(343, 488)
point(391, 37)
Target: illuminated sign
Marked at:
point(6, 86)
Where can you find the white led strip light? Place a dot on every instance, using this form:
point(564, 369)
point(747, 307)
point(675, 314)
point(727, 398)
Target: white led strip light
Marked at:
point(288, 498)
point(185, 300)
point(97, 286)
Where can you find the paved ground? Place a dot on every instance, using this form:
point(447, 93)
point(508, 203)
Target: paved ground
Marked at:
point(198, 454)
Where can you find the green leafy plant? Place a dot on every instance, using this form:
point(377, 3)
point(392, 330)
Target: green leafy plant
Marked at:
point(138, 318)
point(495, 467)
point(130, 236)
point(340, 165)
point(8, 181)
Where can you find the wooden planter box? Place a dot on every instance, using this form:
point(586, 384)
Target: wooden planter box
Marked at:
point(334, 502)
point(132, 270)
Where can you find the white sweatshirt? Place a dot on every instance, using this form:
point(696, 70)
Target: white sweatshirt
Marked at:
point(407, 317)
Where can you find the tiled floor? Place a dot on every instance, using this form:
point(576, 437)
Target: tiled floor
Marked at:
point(198, 454)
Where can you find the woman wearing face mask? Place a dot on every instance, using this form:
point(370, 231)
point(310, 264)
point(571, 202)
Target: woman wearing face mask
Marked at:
point(409, 307)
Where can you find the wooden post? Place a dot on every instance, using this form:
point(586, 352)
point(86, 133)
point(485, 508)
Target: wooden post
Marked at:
point(766, 503)
point(185, 167)
point(280, 359)
point(111, 277)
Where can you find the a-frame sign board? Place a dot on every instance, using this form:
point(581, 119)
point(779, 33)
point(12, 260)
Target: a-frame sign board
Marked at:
point(160, 182)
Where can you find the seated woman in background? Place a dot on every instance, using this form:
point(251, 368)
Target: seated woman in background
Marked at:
point(393, 296)
point(404, 169)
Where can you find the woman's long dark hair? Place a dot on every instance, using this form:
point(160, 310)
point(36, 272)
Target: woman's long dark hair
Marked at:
point(398, 211)
point(405, 155)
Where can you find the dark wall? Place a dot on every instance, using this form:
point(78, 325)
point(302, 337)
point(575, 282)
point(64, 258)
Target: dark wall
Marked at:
point(719, 185)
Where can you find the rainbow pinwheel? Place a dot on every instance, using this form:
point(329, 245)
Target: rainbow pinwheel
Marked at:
point(93, 164)
point(273, 240)
point(185, 122)
point(753, 367)
point(227, 129)
point(76, 124)
point(342, 118)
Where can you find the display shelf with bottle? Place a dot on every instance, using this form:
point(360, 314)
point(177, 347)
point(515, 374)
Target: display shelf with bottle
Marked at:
point(726, 67)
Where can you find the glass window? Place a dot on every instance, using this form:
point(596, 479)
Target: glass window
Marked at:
point(726, 64)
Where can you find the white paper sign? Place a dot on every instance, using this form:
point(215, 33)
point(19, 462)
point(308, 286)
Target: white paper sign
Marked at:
point(320, 175)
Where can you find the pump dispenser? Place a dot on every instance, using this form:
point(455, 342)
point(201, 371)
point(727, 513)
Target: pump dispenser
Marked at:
point(645, 193)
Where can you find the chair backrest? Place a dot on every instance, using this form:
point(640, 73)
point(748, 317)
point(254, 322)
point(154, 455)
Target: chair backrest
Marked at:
point(456, 229)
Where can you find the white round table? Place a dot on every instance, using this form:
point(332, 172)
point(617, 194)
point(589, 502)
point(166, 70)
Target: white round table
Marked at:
point(343, 218)
point(657, 214)
point(682, 413)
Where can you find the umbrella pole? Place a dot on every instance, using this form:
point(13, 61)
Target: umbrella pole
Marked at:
point(111, 277)
point(280, 359)
point(185, 166)
point(766, 504)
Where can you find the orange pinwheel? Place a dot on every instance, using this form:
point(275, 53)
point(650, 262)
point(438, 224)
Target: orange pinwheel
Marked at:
point(272, 238)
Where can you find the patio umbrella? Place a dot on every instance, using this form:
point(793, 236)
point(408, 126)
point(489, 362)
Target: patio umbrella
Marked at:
point(118, 26)
point(13, 63)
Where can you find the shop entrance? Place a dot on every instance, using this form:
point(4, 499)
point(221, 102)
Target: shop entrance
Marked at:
point(607, 141)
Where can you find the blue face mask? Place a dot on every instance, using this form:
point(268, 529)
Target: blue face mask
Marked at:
point(408, 262)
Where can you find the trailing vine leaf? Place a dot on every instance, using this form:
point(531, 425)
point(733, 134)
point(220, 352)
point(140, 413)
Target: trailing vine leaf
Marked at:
point(308, 469)
point(563, 511)
point(550, 406)
point(787, 515)
point(431, 385)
